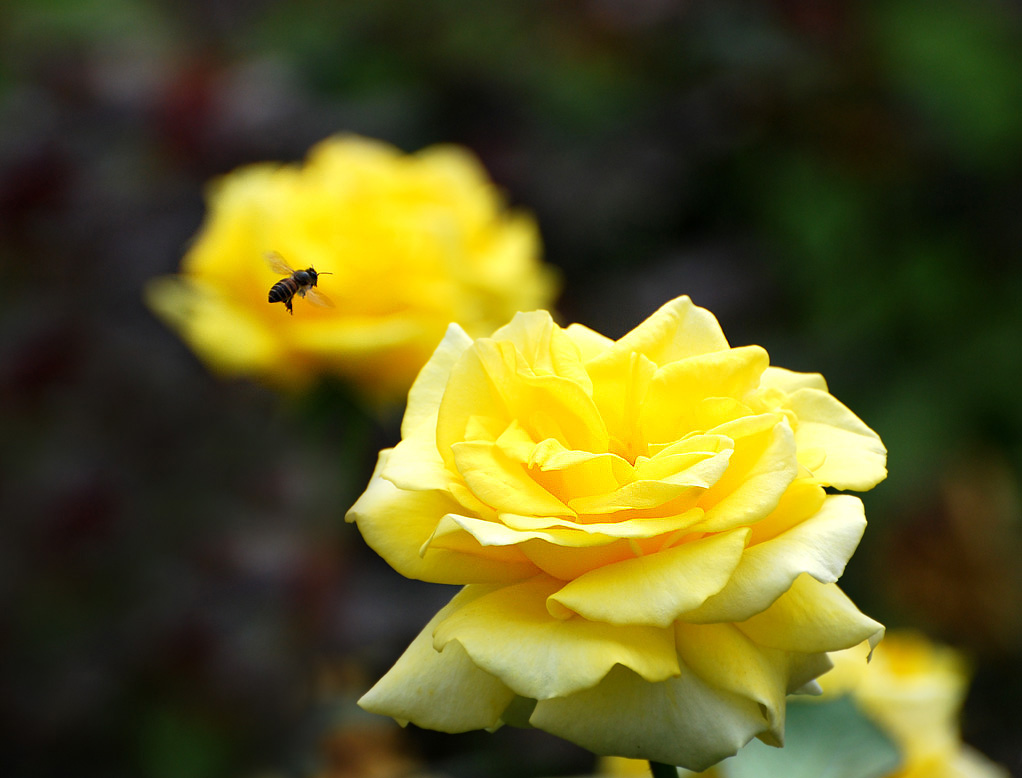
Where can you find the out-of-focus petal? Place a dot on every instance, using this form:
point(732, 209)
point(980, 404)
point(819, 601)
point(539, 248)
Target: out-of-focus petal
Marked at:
point(224, 334)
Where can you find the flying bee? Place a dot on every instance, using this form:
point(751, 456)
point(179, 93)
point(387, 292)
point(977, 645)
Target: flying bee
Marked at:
point(298, 282)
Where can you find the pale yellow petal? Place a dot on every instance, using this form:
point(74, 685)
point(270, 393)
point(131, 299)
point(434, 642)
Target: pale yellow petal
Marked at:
point(695, 473)
point(396, 523)
point(635, 528)
point(641, 495)
point(678, 329)
point(656, 588)
point(590, 343)
point(620, 380)
point(510, 634)
point(723, 657)
point(681, 721)
point(415, 464)
point(479, 383)
point(790, 381)
point(677, 456)
point(550, 406)
point(819, 543)
point(502, 483)
point(761, 468)
point(855, 457)
point(496, 534)
point(493, 380)
point(547, 349)
point(812, 617)
point(531, 334)
point(440, 690)
point(969, 763)
point(574, 474)
point(568, 562)
point(678, 388)
point(428, 390)
point(805, 669)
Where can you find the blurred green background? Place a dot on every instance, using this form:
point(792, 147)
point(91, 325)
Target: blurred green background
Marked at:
point(840, 183)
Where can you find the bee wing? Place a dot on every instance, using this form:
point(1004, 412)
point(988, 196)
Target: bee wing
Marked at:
point(316, 297)
point(277, 263)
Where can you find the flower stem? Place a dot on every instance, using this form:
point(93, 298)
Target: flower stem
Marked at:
point(663, 770)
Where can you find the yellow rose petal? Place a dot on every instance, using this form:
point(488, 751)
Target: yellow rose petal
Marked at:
point(590, 343)
point(759, 472)
point(632, 528)
point(510, 634)
point(644, 495)
point(571, 474)
point(680, 455)
point(499, 534)
point(695, 473)
point(444, 690)
point(681, 721)
point(415, 464)
point(819, 543)
point(396, 523)
point(789, 380)
point(620, 382)
point(653, 589)
point(567, 562)
point(811, 617)
point(677, 330)
point(554, 407)
point(428, 389)
point(723, 657)
point(492, 381)
point(855, 457)
point(678, 387)
point(547, 348)
point(503, 483)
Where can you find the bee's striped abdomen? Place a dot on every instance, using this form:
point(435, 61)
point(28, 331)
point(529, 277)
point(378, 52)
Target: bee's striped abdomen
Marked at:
point(283, 290)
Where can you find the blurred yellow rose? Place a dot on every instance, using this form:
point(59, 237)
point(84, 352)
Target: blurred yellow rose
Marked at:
point(641, 525)
point(914, 690)
point(413, 242)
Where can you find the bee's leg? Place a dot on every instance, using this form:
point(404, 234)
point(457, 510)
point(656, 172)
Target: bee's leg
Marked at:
point(287, 304)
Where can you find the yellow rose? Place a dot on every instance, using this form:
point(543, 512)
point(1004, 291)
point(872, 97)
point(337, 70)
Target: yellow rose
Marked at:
point(642, 529)
point(413, 242)
point(914, 690)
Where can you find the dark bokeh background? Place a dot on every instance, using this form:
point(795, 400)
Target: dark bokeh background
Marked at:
point(839, 182)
